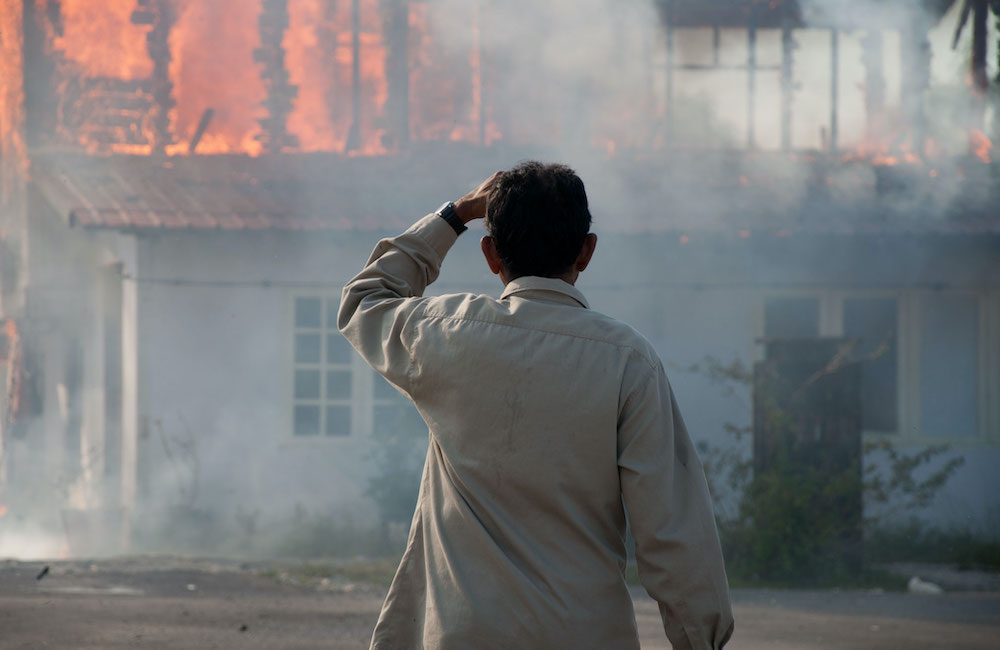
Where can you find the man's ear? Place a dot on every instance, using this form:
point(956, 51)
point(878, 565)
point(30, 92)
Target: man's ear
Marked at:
point(586, 252)
point(490, 253)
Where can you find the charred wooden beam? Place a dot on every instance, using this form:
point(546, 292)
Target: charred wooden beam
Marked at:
point(834, 87)
point(730, 13)
point(980, 18)
point(281, 93)
point(396, 27)
point(916, 72)
point(751, 77)
point(159, 14)
point(871, 57)
point(787, 83)
point(199, 131)
point(41, 100)
point(354, 134)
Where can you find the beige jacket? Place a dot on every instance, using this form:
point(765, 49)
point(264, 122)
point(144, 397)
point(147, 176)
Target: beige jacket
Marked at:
point(545, 418)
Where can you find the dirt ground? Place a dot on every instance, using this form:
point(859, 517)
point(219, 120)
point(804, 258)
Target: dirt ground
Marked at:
point(174, 603)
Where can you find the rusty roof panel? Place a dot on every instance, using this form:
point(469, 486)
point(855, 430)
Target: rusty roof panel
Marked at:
point(689, 192)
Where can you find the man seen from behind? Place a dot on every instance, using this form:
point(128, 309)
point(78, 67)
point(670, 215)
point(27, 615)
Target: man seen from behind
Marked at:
point(548, 423)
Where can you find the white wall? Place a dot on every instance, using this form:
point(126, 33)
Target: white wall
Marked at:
point(215, 369)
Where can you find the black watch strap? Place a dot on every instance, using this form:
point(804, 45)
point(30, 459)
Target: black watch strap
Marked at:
point(450, 215)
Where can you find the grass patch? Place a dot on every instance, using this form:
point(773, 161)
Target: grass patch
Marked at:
point(376, 572)
point(914, 542)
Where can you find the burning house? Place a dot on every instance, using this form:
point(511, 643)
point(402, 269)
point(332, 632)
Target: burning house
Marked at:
point(186, 185)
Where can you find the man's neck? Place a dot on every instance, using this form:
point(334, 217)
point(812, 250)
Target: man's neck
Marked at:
point(569, 277)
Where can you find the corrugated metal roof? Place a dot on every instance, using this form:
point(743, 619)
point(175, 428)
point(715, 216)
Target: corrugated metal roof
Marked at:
point(200, 193)
point(733, 193)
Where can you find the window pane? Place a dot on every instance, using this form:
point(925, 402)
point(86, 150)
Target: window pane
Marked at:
point(338, 384)
point(338, 420)
point(307, 312)
point(398, 417)
point(791, 318)
point(306, 420)
point(949, 367)
point(384, 390)
point(338, 350)
point(307, 384)
point(307, 348)
point(873, 321)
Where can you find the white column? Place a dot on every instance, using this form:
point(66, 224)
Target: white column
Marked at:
point(130, 392)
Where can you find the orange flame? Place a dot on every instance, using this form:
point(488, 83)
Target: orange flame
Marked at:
point(13, 149)
point(100, 38)
point(980, 145)
point(3, 510)
point(211, 66)
point(319, 66)
point(887, 152)
point(13, 360)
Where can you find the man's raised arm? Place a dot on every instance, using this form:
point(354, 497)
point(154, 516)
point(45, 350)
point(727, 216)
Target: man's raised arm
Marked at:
point(670, 513)
point(377, 302)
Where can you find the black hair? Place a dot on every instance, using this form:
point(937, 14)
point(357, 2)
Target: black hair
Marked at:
point(538, 218)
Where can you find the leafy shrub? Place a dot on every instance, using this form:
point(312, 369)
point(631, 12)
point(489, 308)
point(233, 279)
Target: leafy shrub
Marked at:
point(792, 522)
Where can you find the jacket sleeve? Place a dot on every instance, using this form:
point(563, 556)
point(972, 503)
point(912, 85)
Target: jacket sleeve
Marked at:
point(377, 303)
point(670, 514)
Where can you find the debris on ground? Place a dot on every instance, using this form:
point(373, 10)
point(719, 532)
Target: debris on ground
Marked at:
point(918, 586)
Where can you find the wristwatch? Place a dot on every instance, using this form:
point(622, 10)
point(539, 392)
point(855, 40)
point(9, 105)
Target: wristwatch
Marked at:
point(450, 215)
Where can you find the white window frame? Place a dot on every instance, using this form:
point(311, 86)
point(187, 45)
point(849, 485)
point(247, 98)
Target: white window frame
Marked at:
point(909, 304)
point(361, 400)
point(986, 380)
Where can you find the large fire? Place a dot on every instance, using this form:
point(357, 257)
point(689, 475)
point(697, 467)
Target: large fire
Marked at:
point(221, 77)
point(217, 96)
point(101, 39)
point(13, 148)
point(257, 76)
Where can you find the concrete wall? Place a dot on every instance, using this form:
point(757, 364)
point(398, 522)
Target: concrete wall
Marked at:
point(69, 447)
point(215, 345)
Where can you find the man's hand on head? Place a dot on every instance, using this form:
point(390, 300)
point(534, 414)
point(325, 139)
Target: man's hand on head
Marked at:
point(473, 205)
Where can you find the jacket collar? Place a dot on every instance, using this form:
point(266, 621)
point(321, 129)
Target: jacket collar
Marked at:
point(533, 283)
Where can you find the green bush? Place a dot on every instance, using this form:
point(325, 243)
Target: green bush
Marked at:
point(914, 541)
point(793, 523)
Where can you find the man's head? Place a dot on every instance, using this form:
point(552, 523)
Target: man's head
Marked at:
point(538, 223)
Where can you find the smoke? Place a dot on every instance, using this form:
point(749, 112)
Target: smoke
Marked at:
point(694, 223)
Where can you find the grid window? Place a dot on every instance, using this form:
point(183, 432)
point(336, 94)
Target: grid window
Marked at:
point(323, 373)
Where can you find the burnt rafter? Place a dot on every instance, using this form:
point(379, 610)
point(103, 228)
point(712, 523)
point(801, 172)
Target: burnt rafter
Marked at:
point(280, 91)
point(730, 13)
point(160, 15)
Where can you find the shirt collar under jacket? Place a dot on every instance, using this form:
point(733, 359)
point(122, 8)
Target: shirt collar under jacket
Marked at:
point(531, 283)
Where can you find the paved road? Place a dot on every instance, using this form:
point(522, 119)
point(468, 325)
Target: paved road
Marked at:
point(849, 620)
point(157, 603)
